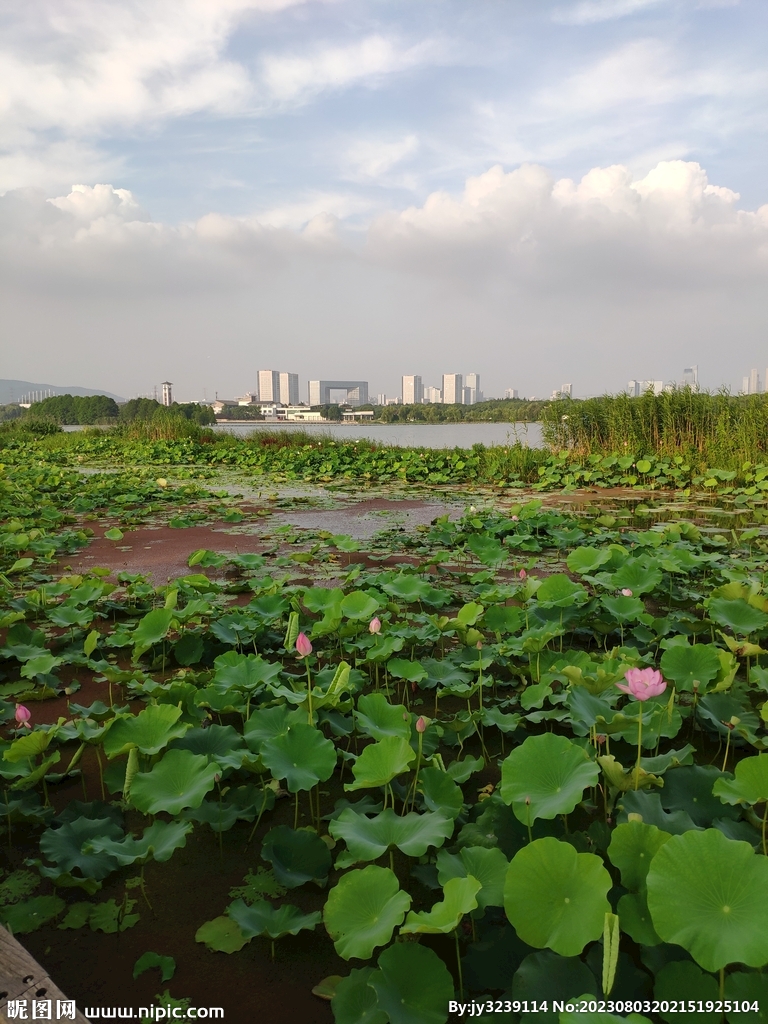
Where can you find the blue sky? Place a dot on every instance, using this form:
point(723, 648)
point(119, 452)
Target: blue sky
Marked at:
point(330, 137)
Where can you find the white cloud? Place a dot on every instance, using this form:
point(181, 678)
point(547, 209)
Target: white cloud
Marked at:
point(373, 158)
point(591, 11)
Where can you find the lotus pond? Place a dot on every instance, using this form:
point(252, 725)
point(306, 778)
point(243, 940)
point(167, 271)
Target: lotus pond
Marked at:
point(352, 781)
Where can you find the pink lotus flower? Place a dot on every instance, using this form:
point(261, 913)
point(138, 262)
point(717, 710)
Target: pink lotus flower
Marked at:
point(374, 626)
point(23, 715)
point(303, 646)
point(643, 683)
point(522, 574)
point(421, 724)
point(626, 592)
point(515, 519)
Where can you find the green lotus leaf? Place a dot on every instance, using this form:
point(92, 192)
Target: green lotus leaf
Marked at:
point(462, 771)
point(545, 976)
point(222, 935)
point(42, 665)
point(635, 918)
point(503, 619)
point(487, 550)
point(709, 895)
point(151, 629)
point(147, 961)
point(584, 560)
point(560, 591)
point(77, 915)
point(67, 616)
point(359, 605)
point(297, 856)
point(440, 792)
point(26, 917)
point(31, 744)
point(112, 917)
point(640, 579)
point(189, 649)
point(264, 919)
point(408, 587)
point(377, 718)
point(324, 602)
point(363, 910)
point(683, 980)
point(624, 609)
point(221, 743)
point(380, 762)
point(412, 671)
point(546, 776)
point(737, 615)
point(355, 1002)
point(688, 666)
point(113, 534)
point(269, 723)
point(301, 755)
point(632, 848)
point(151, 730)
point(690, 789)
point(488, 866)
point(181, 779)
point(159, 842)
point(412, 985)
point(244, 672)
point(69, 846)
point(370, 838)
point(555, 897)
point(746, 987)
point(459, 897)
point(748, 786)
point(648, 807)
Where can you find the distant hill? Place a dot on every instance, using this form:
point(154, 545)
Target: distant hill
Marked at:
point(13, 390)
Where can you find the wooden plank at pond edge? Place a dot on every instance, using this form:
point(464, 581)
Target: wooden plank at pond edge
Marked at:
point(21, 977)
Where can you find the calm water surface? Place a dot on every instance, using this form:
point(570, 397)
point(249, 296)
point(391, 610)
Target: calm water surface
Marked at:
point(408, 435)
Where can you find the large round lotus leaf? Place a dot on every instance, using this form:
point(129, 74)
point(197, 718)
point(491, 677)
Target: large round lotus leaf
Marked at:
point(322, 601)
point(555, 897)
point(69, 847)
point(547, 976)
point(377, 718)
point(632, 848)
point(355, 1002)
point(584, 560)
point(747, 987)
point(690, 789)
point(380, 762)
point(159, 841)
point(296, 856)
point(440, 792)
point(689, 667)
point(488, 866)
point(709, 895)
point(181, 779)
point(640, 579)
point(737, 615)
point(359, 605)
point(151, 730)
point(459, 897)
point(401, 668)
point(487, 549)
point(245, 672)
point(301, 755)
point(221, 743)
point(363, 910)
point(748, 786)
point(635, 918)
point(369, 838)
point(26, 917)
point(413, 985)
point(264, 919)
point(268, 723)
point(683, 980)
point(559, 590)
point(408, 587)
point(222, 935)
point(546, 776)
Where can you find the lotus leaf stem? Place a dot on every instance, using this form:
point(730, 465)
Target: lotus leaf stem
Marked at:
point(458, 963)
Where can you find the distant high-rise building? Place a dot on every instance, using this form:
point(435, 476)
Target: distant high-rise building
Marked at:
point(167, 387)
point(453, 389)
point(511, 393)
point(269, 385)
point(691, 378)
point(289, 388)
point(434, 396)
point(413, 390)
point(381, 399)
point(356, 392)
point(635, 388)
point(472, 392)
point(753, 384)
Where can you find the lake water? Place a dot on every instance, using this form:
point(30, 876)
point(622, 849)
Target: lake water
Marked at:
point(408, 435)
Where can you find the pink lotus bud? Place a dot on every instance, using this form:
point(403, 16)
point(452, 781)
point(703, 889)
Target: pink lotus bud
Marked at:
point(515, 519)
point(23, 715)
point(643, 683)
point(522, 574)
point(374, 626)
point(421, 724)
point(303, 646)
point(626, 592)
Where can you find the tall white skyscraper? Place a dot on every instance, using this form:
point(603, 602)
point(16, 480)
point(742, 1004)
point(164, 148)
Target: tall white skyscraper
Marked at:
point(511, 393)
point(434, 396)
point(635, 388)
point(751, 384)
point(691, 377)
point(453, 389)
point(289, 388)
point(413, 390)
point(269, 386)
point(472, 390)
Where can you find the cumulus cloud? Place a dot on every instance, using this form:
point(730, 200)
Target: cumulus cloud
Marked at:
point(604, 278)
